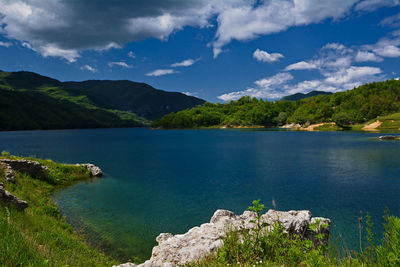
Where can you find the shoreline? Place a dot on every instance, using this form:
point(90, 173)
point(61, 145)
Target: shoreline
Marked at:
point(40, 233)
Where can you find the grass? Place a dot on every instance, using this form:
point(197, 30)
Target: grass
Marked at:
point(390, 122)
point(40, 236)
point(328, 127)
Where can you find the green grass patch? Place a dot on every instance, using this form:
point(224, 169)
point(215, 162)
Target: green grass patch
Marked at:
point(40, 236)
point(390, 122)
point(328, 127)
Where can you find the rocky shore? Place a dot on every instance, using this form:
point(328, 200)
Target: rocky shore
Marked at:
point(33, 169)
point(200, 241)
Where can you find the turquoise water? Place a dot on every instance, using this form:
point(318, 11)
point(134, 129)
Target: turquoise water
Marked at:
point(169, 181)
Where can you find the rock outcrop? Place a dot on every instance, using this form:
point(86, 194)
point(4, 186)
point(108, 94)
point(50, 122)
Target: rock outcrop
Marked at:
point(9, 198)
point(174, 250)
point(389, 137)
point(30, 167)
point(8, 172)
point(93, 169)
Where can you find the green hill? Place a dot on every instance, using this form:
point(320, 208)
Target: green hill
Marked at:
point(300, 96)
point(31, 101)
point(139, 98)
point(345, 108)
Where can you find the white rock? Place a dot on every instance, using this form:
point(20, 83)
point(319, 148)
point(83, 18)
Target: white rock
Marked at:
point(200, 241)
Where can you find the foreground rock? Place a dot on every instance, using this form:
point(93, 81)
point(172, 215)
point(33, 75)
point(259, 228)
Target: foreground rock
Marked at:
point(30, 167)
point(174, 250)
point(9, 198)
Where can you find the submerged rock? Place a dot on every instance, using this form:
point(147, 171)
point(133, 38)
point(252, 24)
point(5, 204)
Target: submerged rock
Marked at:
point(200, 241)
point(9, 198)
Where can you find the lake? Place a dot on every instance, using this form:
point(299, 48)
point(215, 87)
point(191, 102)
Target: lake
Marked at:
point(171, 180)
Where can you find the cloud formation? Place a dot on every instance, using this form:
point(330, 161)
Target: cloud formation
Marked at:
point(119, 63)
point(185, 63)
point(371, 5)
point(64, 28)
point(265, 88)
point(247, 21)
point(334, 63)
point(365, 56)
point(89, 68)
point(302, 65)
point(161, 72)
point(131, 54)
point(5, 44)
point(264, 56)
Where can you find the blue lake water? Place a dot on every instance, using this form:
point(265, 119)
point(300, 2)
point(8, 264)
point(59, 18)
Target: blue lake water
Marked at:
point(169, 181)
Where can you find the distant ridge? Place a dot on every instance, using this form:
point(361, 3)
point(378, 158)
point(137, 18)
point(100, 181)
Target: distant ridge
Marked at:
point(32, 101)
point(299, 96)
point(139, 98)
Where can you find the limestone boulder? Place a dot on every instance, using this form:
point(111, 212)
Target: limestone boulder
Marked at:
point(200, 241)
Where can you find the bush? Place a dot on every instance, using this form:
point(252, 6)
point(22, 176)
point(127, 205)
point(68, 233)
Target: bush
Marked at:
point(5, 153)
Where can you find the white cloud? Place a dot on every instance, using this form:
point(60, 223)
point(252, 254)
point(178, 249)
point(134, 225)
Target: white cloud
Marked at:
point(27, 45)
point(161, 72)
point(185, 63)
point(352, 74)
point(264, 56)
point(119, 63)
point(191, 93)
point(364, 56)
point(51, 50)
point(265, 88)
point(246, 21)
point(277, 79)
point(334, 46)
point(388, 51)
point(388, 46)
point(5, 44)
point(393, 21)
point(333, 62)
point(131, 54)
point(302, 65)
point(371, 5)
point(89, 68)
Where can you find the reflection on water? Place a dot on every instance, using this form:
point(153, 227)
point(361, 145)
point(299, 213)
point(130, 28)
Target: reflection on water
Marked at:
point(170, 181)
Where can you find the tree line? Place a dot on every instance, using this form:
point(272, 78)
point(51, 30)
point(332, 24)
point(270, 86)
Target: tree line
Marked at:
point(358, 105)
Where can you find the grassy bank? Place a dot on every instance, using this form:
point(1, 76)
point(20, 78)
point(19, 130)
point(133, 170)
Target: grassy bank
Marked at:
point(40, 236)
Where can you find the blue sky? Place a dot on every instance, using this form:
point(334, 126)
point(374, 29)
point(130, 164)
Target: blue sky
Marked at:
point(216, 50)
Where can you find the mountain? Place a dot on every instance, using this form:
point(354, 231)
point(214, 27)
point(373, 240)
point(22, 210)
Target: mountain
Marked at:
point(32, 101)
point(299, 96)
point(139, 98)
